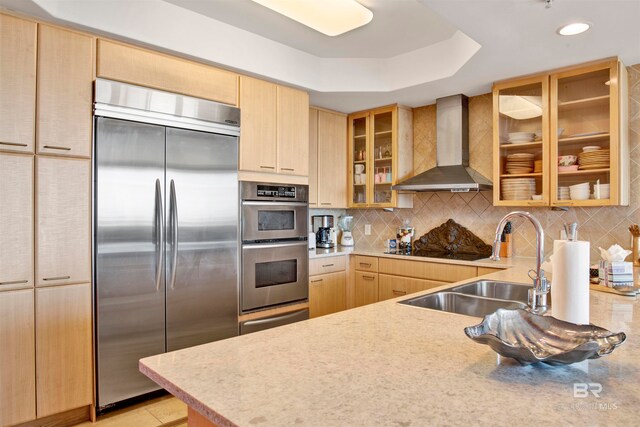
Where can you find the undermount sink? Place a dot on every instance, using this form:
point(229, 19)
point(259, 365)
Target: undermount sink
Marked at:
point(475, 299)
point(498, 290)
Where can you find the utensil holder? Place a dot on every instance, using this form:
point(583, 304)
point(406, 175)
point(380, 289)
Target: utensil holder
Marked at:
point(635, 248)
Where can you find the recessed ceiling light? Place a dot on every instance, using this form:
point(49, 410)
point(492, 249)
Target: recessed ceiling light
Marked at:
point(573, 29)
point(330, 17)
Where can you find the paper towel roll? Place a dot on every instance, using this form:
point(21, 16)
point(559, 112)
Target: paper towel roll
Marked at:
point(570, 284)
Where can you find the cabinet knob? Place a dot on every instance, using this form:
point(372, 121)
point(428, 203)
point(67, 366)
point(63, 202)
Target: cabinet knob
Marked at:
point(267, 167)
point(395, 292)
point(14, 282)
point(288, 169)
point(327, 265)
point(316, 280)
point(13, 144)
point(368, 277)
point(365, 264)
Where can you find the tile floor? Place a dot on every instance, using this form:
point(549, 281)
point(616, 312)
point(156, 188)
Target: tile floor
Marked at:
point(165, 411)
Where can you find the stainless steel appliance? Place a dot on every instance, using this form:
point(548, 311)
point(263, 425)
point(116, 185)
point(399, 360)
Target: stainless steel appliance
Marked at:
point(322, 225)
point(261, 324)
point(166, 229)
point(274, 244)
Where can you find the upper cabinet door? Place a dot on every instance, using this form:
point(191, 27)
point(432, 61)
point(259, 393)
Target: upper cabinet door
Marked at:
point(521, 142)
point(293, 132)
point(65, 78)
point(332, 160)
point(17, 83)
point(313, 158)
point(258, 151)
point(16, 220)
point(153, 69)
point(63, 201)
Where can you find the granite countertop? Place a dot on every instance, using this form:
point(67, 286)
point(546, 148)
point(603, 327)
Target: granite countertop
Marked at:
point(391, 364)
point(340, 250)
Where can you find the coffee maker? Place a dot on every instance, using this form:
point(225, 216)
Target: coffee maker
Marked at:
point(322, 225)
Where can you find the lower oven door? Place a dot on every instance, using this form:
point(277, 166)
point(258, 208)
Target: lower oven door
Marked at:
point(274, 273)
point(250, 326)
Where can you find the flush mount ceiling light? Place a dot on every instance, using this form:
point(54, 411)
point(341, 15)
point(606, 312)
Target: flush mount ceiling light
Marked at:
point(573, 28)
point(330, 17)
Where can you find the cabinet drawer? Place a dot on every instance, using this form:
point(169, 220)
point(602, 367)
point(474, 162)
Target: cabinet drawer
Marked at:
point(397, 286)
point(366, 263)
point(327, 265)
point(427, 270)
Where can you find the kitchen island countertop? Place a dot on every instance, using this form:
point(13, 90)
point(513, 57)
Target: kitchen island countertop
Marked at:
point(392, 364)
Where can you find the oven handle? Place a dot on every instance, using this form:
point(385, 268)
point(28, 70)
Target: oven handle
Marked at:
point(273, 204)
point(272, 319)
point(273, 245)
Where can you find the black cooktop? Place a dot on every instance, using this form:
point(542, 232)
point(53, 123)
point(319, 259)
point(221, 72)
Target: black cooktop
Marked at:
point(443, 255)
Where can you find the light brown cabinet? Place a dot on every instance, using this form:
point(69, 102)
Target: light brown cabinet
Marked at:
point(579, 111)
point(327, 293)
point(275, 129)
point(327, 159)
point(258, 144)
point(366, 288)
point(17, 84)
point(293, 131)
point(380, 154)
point(65, 92)
point(63, 201)
point(17, 357)
point(63, 348)
point(129, 64)
point(16, 220)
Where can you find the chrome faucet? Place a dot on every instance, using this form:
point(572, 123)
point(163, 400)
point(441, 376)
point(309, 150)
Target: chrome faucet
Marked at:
point(538, 294)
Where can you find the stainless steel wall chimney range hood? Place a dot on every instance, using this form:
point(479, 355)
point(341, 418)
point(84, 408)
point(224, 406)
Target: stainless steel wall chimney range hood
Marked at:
point(452, 172)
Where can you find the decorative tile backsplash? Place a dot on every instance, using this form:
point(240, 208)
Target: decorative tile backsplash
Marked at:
point(602, 226)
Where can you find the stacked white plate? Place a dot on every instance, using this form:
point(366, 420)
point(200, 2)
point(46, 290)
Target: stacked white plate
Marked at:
point(563, 193)
point(518, 188)
point(580, 191)
point(521, 137)
point(519, 163)
point(602, 191)
point(596, 159)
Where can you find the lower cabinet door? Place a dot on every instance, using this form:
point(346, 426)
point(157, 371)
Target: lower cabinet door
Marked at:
point(397, 286)
point(366, 288)
point(63, 348)
point(327, 294)
point(17, 358)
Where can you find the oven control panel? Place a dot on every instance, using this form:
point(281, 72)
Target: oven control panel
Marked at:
point(273, 191)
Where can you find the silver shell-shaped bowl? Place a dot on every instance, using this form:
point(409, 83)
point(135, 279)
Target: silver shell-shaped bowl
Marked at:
point(531, 338)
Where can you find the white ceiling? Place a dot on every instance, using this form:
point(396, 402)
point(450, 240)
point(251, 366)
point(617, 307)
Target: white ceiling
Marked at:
point(413, 52)
point(398, 26)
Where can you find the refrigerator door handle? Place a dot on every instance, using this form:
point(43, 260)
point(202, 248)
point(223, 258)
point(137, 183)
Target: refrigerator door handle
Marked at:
point(159, 234)
point(173, 208)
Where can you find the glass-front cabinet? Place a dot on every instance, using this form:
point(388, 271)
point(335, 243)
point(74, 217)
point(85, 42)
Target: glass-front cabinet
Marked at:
point(561, 139)
point(380, 155)
point(590, 145)
point(521, 142)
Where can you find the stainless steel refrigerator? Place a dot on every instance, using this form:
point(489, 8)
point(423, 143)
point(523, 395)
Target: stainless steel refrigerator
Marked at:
point(166, 229)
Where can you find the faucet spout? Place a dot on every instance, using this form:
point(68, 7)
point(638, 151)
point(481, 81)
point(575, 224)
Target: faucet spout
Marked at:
point(537, 295)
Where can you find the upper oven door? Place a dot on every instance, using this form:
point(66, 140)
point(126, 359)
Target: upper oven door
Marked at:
point(273, 221)
point(274, 273)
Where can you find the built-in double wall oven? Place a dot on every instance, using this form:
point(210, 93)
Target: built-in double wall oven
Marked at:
point(275, 266)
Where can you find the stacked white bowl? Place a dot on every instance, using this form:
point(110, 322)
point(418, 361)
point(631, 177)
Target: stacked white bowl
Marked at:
point(563, 193)
point(601, 191)
point(580, 191)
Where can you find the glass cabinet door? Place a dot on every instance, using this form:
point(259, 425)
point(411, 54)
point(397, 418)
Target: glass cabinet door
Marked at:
point(582, 154)
point(360, 170)
point(521, 142)
point(382, 157)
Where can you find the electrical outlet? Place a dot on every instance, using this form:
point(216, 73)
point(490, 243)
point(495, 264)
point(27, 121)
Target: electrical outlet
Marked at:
point(367, 229)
